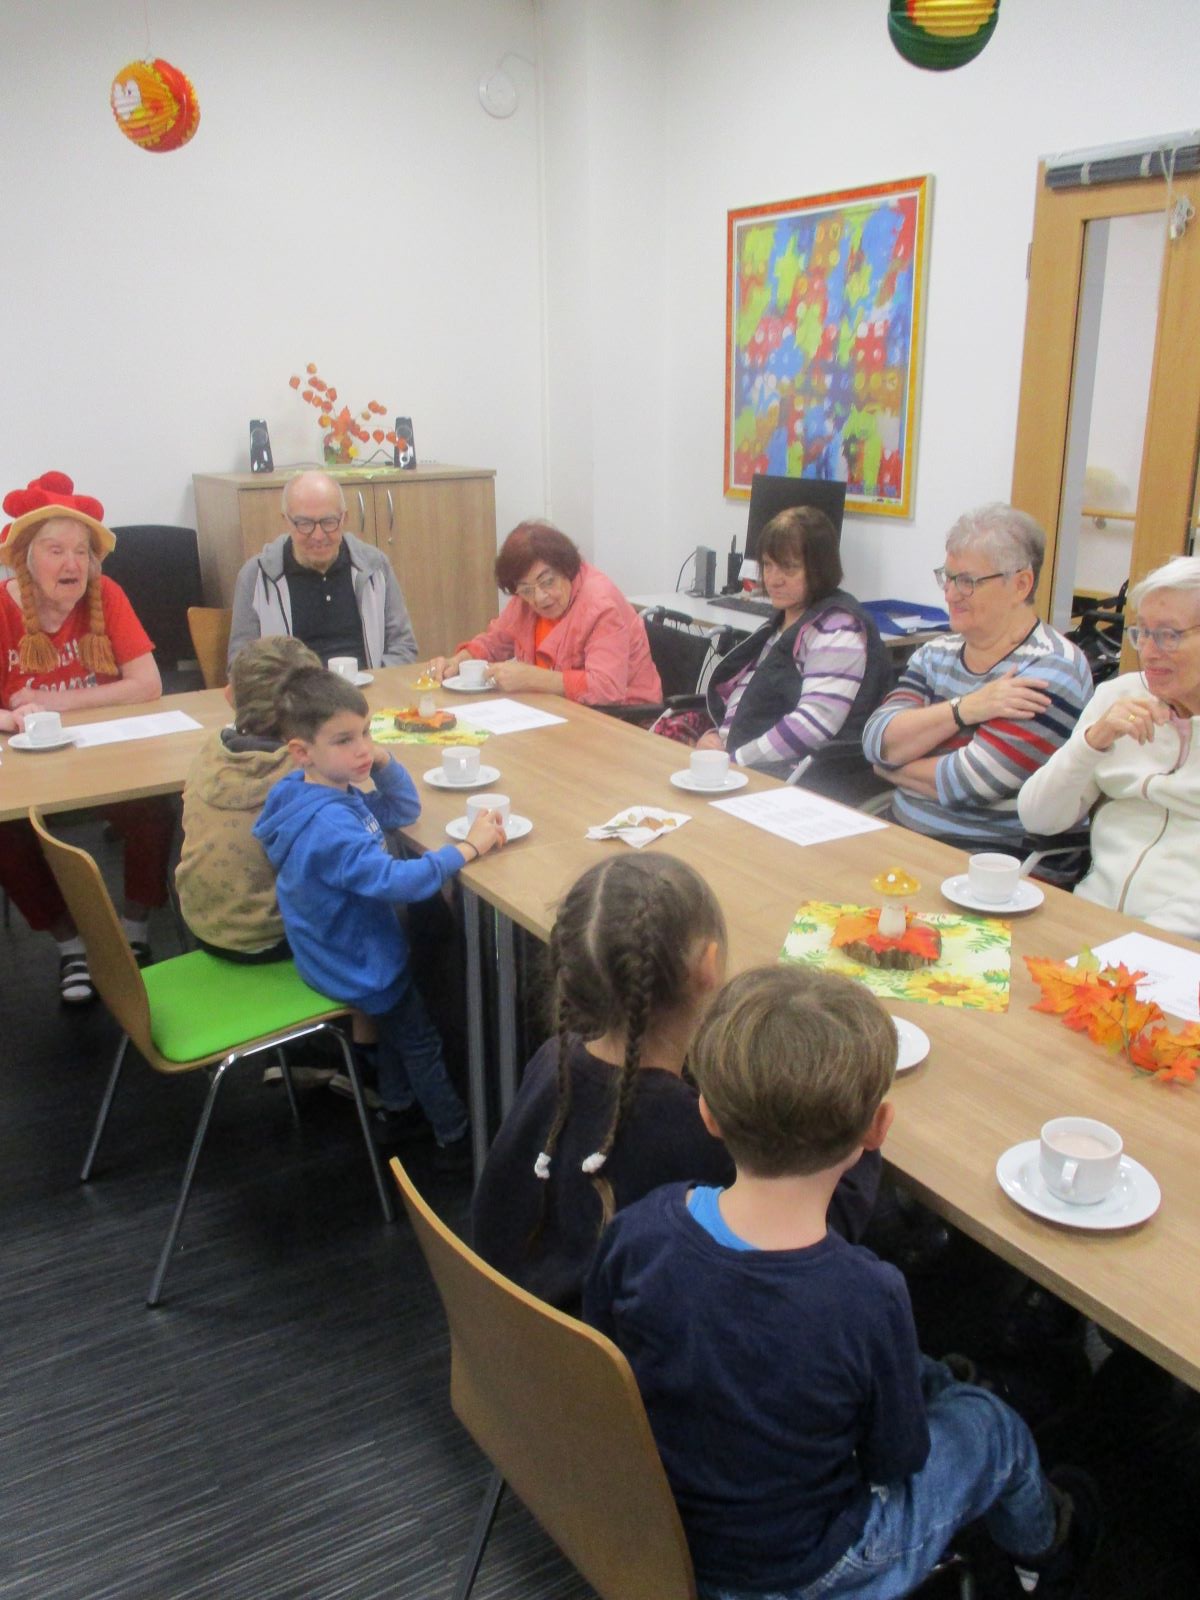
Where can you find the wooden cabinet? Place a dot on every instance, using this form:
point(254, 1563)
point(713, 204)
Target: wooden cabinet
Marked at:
point(436, 526)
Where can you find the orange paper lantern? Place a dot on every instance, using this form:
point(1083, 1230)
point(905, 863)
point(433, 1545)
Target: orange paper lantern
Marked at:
point(155, 105)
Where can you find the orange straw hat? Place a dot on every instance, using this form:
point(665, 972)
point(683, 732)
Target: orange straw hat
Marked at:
point(45, 499)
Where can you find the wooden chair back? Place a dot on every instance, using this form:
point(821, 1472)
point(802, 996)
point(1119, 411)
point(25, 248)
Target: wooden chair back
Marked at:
point(555, 1407)
point(209, 628)
point(110, 960)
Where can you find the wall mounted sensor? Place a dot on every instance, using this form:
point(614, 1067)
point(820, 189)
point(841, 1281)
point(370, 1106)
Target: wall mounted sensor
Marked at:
point(497, 93)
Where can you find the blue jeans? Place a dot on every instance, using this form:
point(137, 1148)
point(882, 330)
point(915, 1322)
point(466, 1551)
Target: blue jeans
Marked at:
point(982, 1463)
point(411, 1066)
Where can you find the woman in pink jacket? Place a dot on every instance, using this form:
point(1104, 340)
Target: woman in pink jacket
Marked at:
point(567, 630)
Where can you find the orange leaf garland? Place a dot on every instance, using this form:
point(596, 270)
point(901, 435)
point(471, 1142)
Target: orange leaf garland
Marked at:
point(1103, 1003)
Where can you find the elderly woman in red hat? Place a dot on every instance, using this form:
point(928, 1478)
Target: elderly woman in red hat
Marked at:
point(69, 639)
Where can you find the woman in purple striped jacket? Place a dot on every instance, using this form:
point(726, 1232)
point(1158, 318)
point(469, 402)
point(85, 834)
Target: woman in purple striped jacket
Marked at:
point(801, 688)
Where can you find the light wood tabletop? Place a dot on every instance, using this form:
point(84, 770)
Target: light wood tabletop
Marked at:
point(989, 1081)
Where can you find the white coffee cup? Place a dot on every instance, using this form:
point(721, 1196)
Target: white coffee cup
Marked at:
point(460, 763)
point(993, 878)
point(1079, 1158)
point(709, 768)
point(344, 666)
point(43, 727)
point(487, 802)
point(473, 673)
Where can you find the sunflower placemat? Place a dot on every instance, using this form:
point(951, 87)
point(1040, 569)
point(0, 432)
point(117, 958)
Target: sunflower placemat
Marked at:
point(385, 731)
point(971, 971)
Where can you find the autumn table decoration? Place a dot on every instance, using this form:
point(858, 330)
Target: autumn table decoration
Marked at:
point(347, 437)
point(1103, 1003)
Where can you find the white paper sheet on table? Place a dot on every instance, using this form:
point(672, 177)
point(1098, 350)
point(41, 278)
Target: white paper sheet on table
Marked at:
point(125, 728)
point(504, 716)
point(1172, 975)
point(798, 817)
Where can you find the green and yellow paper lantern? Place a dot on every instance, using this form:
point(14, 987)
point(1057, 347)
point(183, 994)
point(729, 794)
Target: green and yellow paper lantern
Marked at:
point(154, 105)
point(941, 34)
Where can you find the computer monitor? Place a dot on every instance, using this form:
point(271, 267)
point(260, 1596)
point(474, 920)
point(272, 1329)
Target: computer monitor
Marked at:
point(770, 495)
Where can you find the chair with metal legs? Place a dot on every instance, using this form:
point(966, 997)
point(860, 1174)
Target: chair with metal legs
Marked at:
point(193, 1012)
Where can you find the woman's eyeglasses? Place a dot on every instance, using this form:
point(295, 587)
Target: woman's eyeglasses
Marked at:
point(306, 525)
point(961, 582)
point(542, 584)
point(1165, 639)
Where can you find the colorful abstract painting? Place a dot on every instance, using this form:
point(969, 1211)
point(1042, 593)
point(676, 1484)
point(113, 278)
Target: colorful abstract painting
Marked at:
point(825, 309)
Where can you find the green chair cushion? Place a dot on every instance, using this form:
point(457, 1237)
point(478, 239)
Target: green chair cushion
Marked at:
point(203, 1006)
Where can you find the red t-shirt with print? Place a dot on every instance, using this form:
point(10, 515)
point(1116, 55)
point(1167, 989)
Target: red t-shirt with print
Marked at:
point(129, 640)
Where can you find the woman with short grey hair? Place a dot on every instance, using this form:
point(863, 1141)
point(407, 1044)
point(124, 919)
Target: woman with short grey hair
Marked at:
point(1133, 763)
point(1011, 538)
point(977, 711)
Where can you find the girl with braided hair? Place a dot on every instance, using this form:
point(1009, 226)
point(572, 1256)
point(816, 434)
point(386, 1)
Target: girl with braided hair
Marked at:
point(69, 639)
point(604, 1113)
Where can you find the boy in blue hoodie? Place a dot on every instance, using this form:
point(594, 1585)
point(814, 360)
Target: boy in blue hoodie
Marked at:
point(338, 888)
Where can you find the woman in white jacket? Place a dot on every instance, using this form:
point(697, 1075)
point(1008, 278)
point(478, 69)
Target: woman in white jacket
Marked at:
point(1133, 761)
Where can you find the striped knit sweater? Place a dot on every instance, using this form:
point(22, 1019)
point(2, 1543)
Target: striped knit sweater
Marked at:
point(831, 656)
point(980, 772)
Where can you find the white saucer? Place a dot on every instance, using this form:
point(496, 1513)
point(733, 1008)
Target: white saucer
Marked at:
point(1027, 898)
point(733, 780)
point(439, 780)
point(457, 686)
point(913, 1044)
point(1134, 1197)
point(21, 741)
point(360, 680)
point(517, 828)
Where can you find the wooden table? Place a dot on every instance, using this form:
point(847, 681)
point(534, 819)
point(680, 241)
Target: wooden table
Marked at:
point(990, 1080)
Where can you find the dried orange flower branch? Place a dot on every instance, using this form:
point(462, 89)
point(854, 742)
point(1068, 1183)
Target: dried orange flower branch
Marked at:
point(1103, 1003)
point(343, 432)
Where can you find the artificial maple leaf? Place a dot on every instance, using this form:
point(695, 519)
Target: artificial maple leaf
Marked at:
point(1173, 1057)
point(1109, 1017)
point(1060, 984)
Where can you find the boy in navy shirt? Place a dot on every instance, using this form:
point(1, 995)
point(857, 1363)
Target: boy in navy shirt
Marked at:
point(810, 1447)
point(338, 889)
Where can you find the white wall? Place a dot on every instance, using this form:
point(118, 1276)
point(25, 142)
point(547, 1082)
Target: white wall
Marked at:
point(772, 99)
point(345, 201)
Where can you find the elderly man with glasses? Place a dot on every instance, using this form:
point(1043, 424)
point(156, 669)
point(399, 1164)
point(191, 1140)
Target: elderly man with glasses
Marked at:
point(321, 585)
point(1133, 764)
point(979, 710)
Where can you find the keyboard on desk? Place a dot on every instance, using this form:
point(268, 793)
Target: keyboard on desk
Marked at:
point(743, 602)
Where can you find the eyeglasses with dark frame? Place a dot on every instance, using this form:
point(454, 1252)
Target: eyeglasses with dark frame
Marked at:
point(1165, 639)
point(962, 582)
point(305, 525)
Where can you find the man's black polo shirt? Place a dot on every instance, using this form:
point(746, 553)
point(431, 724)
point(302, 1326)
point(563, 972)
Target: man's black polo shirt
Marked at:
point(324, 612)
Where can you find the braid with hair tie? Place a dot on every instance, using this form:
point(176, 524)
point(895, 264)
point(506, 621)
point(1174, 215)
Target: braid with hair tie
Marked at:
point(633, 978)
point(95, 648)
point(35, 653)
point(563, 1031)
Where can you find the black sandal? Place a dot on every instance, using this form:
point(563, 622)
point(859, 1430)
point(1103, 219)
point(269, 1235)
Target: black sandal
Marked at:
point(75, 984)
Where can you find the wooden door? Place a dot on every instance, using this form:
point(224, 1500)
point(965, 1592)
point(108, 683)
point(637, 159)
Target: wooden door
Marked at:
point(1047, 480)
